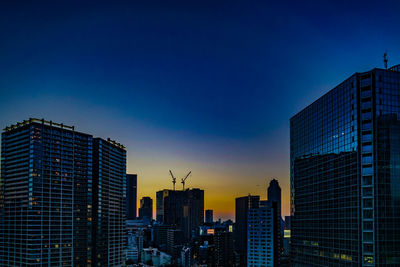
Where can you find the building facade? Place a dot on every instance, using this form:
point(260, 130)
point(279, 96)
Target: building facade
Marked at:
point(345, 194)
point(181, 209)
point(260, 236)
point(242, 206)
point(131, 196)
point(46, 201)
point(109, 216)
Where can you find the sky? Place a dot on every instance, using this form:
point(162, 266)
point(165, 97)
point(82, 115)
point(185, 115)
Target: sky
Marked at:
point(201, 86)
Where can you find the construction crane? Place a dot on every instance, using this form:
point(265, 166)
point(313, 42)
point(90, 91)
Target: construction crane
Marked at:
point(173, 179)
point(184, 179)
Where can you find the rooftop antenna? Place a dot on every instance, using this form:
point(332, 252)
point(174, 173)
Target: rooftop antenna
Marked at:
point(173, 179)
point(385, 60)
point(184, 179)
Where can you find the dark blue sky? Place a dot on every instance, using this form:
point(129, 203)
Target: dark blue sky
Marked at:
point(202, 85)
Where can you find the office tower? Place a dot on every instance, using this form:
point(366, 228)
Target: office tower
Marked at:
point(223, 254)
point(160, 236)
point(131, 196)
point(345, 198)
point(46, 202)
point(109, 215)
point(209, 216)
point(146, 208)
point(181, 209)
point(261, 235)
point(274, 196)
point(242, 206)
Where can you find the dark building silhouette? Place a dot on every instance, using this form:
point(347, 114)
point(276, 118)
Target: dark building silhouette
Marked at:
point(109, 215)
point(57, 186)
point(274, 197)
point(131, 196)
point(181, 209)
point(209, 216)
point(175, 240)
point(223, 244)
point(146, 208)
point(345, 198)
point(242, 206)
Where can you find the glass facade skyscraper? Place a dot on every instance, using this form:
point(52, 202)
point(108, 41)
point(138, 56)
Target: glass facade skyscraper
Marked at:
point(345, 174)
point(109, 207)
point(60, 189)
point(46, 196)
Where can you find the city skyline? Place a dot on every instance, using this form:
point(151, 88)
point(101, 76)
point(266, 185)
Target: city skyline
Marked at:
point(207, 88)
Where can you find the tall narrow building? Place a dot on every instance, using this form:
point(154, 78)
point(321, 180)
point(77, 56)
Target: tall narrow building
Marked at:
point(274, 197)
point(131, 196)
point(242, 206)
point(345, 195)
point(109, 211)
point(46, 195)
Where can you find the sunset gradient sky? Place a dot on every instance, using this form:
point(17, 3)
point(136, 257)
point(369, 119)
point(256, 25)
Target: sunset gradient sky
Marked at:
point(201, 86)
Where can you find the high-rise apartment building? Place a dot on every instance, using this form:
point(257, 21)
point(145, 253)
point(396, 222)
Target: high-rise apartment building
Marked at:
point(261, 236)
point(345, 194)
point(57, 186)
point(146, 208)
point(131, 196)
point(109, 210)
point(242, 206)
point(46, 201)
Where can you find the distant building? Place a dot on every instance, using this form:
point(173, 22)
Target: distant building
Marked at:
point(209, 216)
point(160, 235)
point(260, 245)
point(344, 167)
point(242, 206)
point(175, 242)
point(131, 196)
point(181, 209)
point(223, 242)
point(274, 197)
point(146, 208)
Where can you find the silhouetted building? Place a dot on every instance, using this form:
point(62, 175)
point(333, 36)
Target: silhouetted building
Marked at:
point(242, 206)
point(160, 236)
point(274, 197)
point(209, 216)
point(186, 257)
point(345, 199)
point(109, 211)
point(131, 196)
point(146, 208)
point(223, 243)
point(181, 209)
point(46, 202)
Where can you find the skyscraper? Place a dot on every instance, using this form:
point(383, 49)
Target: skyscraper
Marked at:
point(109, 187)
point(146, 208)
point(242, 206)
point(261, 250)
point(345, 194)
point(46, 195)
point(181, 209)
point(274, 197)
point(131, 196)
